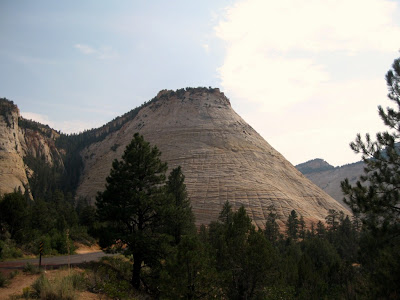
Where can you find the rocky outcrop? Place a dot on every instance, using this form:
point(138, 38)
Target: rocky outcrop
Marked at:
point(20, 138)
point(222, 157)
point(12, 167)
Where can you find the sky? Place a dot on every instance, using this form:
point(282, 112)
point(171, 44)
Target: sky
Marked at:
point(306, 75)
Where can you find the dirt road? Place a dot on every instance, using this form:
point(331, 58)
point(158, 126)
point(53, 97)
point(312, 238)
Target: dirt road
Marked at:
point(53, 262)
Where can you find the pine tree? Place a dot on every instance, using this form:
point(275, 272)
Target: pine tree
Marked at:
point(321, 230)
point(190, 273)
point(271, 226)
point(293, 225)
point(245, 258)
point(377, 196)
point(179, 217)
point(302, 228)
point(132, 204)
point(13, 214)
point(332, 219)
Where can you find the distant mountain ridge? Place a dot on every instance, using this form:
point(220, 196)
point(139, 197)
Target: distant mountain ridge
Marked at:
point(315, 165)
point(328, 177)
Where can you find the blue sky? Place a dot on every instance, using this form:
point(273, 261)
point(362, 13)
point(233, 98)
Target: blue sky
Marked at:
point(307, 75)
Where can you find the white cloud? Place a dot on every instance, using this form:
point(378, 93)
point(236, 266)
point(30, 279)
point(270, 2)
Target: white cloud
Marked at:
point(325, 125)
point(206, 48)
point(274, 82)
point(290, 60)
point(76, 126)
point(331, 25)
point(85, 49)
point(105, 52)
point(72, 126)
point(43, 119)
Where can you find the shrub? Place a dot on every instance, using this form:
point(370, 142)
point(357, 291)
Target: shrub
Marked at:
point(9, 250)
point(40, 284)
point(31, 269)
point(27, 292)
point(111, 276)
point(3, 280)
point(61, 288)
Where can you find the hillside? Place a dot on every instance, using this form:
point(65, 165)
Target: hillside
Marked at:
point(23, 145)
point(328, 178)
point(222, 157)
point(313, 166)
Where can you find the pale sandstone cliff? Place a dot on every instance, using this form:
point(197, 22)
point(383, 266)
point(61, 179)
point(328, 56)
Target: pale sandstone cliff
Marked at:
point(17, 142)
point(223, 158)
point(12, 167)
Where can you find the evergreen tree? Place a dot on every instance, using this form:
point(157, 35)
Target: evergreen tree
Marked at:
point(318, 270)
point(245, 258)
point(376, 197)
point(179, 217)
point(332, 219)
point(292, 229)
point(302, 228)
point(321, 230)
point(132, 204)
point(13, 214)
point(271, 226)
point(190, 273)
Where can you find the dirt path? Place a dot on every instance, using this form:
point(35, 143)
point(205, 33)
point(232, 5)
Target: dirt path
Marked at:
point(52, 262)
point(22, 280)
point(17, 284)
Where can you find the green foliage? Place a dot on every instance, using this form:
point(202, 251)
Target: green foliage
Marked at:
point(111, 276)
point(378, 200)
point(9, 250)
point(376, 197)
point(13, 214)
point(318, 269)
point(179, 218)
point(190, 272)
point(45, 179)
point(25, 223)
point(244, 257)
point(3, 280)
point(133, 202)
point(6, 107)
point(292, 227)
point(63, 288)
point(271, 226)
point(30, 269)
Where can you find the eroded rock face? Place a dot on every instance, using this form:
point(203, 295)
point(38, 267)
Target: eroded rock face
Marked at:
point(12, 167)
point(16, 143)
point(222, 157)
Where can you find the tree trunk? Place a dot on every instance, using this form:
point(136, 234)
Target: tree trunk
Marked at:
point(137, 266)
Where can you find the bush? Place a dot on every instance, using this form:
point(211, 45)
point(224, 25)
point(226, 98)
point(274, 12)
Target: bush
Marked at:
point(61, 288)
point(3, 280)
point(111, 276)
point(80, 234)
point(8, 250)
point(119, 263)
point(31, 269)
